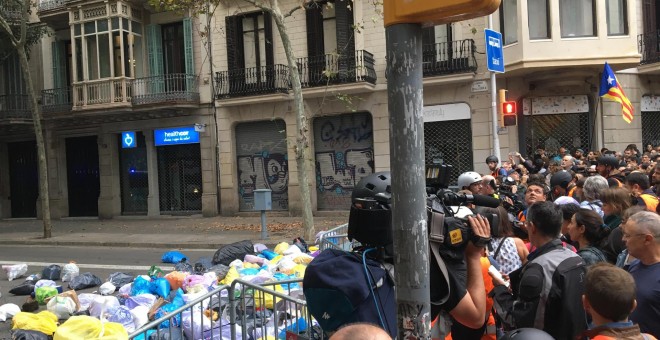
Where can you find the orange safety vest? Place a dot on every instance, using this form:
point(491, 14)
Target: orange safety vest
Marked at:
point(650, 201)
point(607, 337)
point(572, 191)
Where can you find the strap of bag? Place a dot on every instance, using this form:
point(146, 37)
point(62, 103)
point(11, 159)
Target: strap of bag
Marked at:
point(497, 251)
point(436, 222)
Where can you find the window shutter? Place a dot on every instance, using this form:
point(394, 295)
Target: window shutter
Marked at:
point(188, 50)
point(648, 10)
point(345, 40)
point(155, 56)
point(234, 43)
point(59, 76)
point(268, 32)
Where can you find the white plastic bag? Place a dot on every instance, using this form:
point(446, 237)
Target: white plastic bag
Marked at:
point(103, 305)
point(69, 271)
point(85, 300)
point(62, 306)
point(107, 288)
point(8, 310)
point(140, 316)
point(15, 271)
point(125, 290)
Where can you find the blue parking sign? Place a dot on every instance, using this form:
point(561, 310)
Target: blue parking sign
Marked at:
point(494, 54)
point(128, 140)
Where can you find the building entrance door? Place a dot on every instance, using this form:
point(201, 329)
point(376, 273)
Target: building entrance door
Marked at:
point(82, 162)
point(180, 179)
point(23, 179)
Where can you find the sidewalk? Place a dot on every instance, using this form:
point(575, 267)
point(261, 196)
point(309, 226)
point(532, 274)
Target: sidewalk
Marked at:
point(192, 232)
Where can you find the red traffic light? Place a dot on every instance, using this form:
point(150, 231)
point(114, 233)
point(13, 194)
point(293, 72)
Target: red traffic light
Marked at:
point(509, 108)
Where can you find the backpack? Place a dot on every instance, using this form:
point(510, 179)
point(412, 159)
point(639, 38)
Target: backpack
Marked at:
point(338, 291)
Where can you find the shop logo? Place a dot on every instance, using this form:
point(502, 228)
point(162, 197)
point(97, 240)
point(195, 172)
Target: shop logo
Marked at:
point(175, 136)
point(128, 140)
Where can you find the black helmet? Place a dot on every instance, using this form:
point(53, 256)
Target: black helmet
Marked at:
point(370, 220)
point(608, 160)
point(527, 334)
point(492, 158)
point(560, 178)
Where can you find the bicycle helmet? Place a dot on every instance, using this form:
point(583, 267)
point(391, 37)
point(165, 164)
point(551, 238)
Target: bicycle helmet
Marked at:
point(527, 334)
point(370, 219)
point(492, 158)
point(467, 178)
point(561, 178)
point(608, 160)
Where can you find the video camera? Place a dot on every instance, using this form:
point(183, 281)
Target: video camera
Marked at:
point(505, 190)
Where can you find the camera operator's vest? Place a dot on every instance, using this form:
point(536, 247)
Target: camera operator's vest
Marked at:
point(650, 201)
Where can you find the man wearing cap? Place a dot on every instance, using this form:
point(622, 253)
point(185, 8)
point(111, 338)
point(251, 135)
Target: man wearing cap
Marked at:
point(578, 155)
point(492, 162)
point(559, 183)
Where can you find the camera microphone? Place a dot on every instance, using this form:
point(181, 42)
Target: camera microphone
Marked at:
point(484, 201)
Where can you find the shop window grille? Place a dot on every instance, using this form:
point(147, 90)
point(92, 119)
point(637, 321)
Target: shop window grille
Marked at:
point(180, 179)
point(449, 142)
point(650, 129)
point(553, 131)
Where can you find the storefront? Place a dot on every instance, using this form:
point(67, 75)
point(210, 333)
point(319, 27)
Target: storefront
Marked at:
point(344, 154)
point(82, 170)
point(23, 178)
point(133, 173)
point(650, 121)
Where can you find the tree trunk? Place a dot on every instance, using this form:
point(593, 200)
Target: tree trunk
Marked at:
point(302, 140)
point(41, 148)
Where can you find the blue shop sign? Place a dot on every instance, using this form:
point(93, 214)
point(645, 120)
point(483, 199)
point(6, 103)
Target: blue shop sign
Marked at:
point(128, 140)
point(175, 136)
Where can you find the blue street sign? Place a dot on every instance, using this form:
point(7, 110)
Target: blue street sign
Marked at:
point(494, 53)
point(128, 140)
point(174, 136)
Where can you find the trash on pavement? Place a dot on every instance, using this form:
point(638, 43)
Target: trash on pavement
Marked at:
point(119, 279)
point(69, 271)
point(15, 271)
point(87, 327)
point(237, 250)
point(52, 272)
point(45, 322)
point(21, 334)
point(62, 306)
point(107, 288)
point(25, 288)
point(8, 310)
point(173, 257)
point(84, 280)
point(43, 293)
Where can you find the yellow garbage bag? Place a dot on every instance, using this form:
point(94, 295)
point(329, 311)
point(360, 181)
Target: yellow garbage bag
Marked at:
point(264, 299)
point(87, 327)
point(299, 270)
point(280, 248)
point(232, 275)
point(44, 322)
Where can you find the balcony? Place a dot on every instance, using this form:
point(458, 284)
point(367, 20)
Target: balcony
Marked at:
point(51, 5)
point(333, 69)
point(648, 45)
point(449, 58)
point(54, 13)
point(15, 107)
point(252, 81)
point(10, 11)
point(102, 93)
point(168, 88)
point(56, 100)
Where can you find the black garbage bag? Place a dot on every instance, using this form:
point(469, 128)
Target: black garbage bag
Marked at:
point(52, 272)
point(300, 243)
point(237, 250)
point(220, 270)
point(184, 266)
point(202, 265)
point(30, 305)
point(173, 333)
point(21, 334)
point(118, 279)
point(25, 288)
point(84, 280)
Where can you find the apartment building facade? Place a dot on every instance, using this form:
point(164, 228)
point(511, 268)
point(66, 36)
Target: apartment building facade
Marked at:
point(554, 54)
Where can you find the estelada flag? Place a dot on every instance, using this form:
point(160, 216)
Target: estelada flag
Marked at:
point(610, 88)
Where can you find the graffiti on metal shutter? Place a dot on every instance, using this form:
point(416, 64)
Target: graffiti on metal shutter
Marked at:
point(344, 154)
point(262, 162)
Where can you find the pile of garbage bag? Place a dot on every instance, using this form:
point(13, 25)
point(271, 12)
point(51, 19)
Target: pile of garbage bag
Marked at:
point(124, 303)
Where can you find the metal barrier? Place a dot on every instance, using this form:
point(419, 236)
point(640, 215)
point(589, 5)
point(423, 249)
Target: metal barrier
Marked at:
point(336, 238)
point(271, 310)
point(244, 311)
point(192, 320)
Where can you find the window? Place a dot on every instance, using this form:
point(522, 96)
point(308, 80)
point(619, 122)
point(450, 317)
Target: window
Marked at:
point(509, 21)
point(254, 41)
point(617, 21)
point(538, 19)
point(577, 18)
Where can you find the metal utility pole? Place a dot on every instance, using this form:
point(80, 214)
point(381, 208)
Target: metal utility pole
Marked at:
point(411, 249)
point(493, 104)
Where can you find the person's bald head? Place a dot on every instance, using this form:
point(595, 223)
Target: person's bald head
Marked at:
point(360, 331)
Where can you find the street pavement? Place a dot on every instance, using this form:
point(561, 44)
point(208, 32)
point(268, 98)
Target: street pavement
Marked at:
point(192, 232)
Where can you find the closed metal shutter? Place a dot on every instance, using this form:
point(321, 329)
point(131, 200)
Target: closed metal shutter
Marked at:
point(262, 161)
point(552, 131)
point(650, 129)
point(180, 179)
point(449, 142)
point(344, 154)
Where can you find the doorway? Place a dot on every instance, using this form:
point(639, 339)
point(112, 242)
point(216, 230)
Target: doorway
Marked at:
point(180, 179)
point(82, 163)
point(23, 179)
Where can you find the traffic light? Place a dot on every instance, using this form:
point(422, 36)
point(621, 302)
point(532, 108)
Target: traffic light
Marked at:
point(510, 113)
point(436, 11)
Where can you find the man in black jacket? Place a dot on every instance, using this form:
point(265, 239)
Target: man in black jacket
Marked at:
point(547, 291)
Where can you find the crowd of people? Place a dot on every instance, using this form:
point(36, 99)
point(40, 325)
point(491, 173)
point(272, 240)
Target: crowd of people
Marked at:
point(578, 243)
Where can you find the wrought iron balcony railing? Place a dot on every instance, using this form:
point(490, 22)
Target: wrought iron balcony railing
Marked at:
point(449, 58)
point(11, 11)
point(51, 5)
point(648, 45)
point(252, 81)
point(331, 69)
point(166, 88)
point(56, 100)
point(15, 106)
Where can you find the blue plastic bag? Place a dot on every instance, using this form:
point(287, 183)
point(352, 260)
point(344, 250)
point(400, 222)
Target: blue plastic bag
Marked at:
point(284, 277)
point(160, 287)
point(269, 254)
point(173, 257)
point(176, 303)
point(248, 271)
point(140, 286)
point(296, 327)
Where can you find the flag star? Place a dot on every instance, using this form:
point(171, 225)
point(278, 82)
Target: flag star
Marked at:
point(610, 80)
